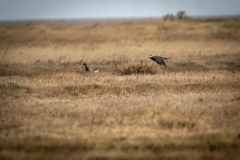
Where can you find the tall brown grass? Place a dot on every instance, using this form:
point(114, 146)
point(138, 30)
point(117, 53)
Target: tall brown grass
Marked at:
point(50, 108)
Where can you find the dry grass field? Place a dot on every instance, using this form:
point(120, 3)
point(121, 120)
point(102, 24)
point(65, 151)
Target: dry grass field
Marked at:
point(50, 108)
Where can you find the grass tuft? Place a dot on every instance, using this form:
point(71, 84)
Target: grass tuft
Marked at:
point(11, 85)
point(136, 68)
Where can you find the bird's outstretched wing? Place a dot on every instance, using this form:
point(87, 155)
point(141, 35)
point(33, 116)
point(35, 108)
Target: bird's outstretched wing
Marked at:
point(159, 60)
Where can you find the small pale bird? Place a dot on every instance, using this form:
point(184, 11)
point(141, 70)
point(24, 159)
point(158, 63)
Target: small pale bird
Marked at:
point(90, 69)
point(159, 60)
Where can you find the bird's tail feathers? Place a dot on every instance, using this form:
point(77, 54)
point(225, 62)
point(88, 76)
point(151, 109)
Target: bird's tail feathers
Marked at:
point(166, 58)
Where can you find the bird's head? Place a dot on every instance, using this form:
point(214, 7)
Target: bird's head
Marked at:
point(150, 57)
point(84, 64)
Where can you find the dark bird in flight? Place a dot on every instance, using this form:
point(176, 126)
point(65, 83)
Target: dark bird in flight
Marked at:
point(159, 60)
point(90, 69)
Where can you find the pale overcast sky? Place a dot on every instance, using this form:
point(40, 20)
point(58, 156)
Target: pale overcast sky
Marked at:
point(61, 9)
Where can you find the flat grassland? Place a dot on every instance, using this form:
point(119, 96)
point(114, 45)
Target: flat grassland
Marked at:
point(50, 108)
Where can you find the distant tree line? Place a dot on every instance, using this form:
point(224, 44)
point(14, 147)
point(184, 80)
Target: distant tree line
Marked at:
point(179, 16)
